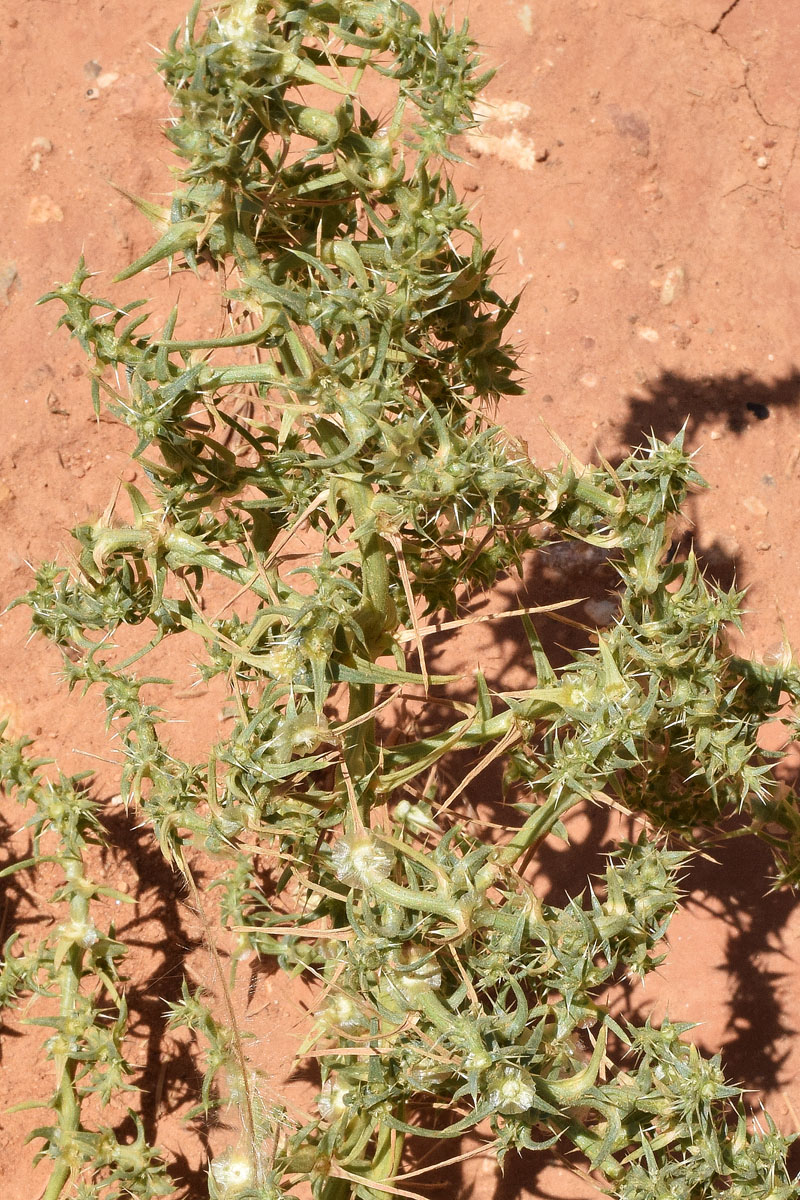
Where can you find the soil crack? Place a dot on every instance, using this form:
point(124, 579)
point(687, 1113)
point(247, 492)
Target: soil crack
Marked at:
point(728, 10)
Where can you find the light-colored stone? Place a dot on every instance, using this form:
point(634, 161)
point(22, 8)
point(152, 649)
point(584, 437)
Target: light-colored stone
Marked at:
point(512, 147)
point(647, 333)
point(42, 210)
point(755, 506)
point(674, 285)
point(8, 279)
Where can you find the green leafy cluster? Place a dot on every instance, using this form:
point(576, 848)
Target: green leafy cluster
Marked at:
point(349, 405)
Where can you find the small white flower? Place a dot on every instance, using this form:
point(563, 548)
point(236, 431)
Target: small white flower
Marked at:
point(513, 1091)
point(359, 861)
point(231, 1172)
point(240, 23)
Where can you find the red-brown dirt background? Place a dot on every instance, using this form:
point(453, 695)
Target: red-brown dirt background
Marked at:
point(639, 172)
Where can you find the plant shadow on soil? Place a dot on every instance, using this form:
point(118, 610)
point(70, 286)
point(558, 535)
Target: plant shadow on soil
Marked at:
point(161, 944)
point(169, 1076)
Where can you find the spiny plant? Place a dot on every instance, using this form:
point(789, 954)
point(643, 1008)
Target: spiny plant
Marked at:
point(349, 404)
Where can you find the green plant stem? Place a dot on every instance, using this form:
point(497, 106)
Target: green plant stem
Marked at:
point(377, 617)
point(538, 825)
point(69, 977)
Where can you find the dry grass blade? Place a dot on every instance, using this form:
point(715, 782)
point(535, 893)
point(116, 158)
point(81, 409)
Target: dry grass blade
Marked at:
point(502, 615)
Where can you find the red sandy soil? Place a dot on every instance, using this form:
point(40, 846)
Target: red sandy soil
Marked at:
point(639, 171)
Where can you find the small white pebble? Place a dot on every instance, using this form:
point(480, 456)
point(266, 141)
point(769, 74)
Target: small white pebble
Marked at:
point(39, 147)
point(755, 506)
point(647, 333)
point(673, 285)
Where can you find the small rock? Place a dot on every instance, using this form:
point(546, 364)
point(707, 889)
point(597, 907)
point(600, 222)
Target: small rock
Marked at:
point(542, 155)
point(647, 334)
point(8, 278)
point(128, 474)
point(755, 506)
point(525, 18)
point(93, 93)
point(92, 69)
point(618, 264)
point(107, 79)
point(762, 546)
point(571, 295)
point(589, 379)
point(6, 493)
point(715, 435)
point(42, 210)
point(762, 162)
point(768, 480)
point(759, 411)
point(39, 147)
point(674, 285)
